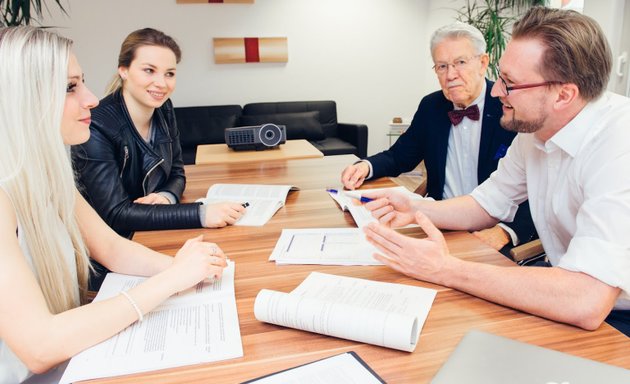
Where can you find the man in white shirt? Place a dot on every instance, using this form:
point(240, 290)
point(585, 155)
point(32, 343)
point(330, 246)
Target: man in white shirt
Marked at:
point(571, 158)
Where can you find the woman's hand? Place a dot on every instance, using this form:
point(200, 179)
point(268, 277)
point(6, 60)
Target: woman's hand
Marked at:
point(152, 198)
point(197, 260)
point(221, 214)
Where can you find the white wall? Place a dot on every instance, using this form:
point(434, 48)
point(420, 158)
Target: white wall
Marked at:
point(610, 16)
point(370, 56)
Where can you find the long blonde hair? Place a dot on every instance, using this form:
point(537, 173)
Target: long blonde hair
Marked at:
point(35, 168)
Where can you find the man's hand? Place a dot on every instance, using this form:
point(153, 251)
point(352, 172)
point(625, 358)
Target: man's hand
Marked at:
point(391, 208)
point(353, 176)
point(422, 259)
point(496, 237)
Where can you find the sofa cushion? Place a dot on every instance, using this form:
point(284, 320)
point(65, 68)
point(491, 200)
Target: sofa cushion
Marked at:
point(334, 146)
point(299, 125)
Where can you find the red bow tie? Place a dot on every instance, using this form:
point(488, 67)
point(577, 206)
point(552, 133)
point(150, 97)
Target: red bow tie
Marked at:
point(457, 115)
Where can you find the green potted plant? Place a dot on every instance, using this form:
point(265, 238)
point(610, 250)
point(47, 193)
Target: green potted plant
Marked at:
point(22, 12)
point(493, 18)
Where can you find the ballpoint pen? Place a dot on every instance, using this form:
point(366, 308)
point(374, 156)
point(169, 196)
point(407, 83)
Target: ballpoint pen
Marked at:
point(353, 194)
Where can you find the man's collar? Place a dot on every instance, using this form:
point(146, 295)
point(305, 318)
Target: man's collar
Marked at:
point(572, 136)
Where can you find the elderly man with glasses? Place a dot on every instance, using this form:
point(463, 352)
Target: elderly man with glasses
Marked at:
point(571, 158)
point(456, 132)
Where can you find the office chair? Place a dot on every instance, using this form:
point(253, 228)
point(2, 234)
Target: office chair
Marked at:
point(529, 254)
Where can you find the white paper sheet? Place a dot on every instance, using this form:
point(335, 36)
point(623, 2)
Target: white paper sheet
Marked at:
point(342, 368)
point(385, 314)
point(324, 246)
point(194, 326)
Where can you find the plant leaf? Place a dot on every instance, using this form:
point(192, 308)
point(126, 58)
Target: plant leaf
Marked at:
point(489, 16)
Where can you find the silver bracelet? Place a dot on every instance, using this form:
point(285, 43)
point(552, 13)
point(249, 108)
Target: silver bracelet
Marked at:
point(134, 305)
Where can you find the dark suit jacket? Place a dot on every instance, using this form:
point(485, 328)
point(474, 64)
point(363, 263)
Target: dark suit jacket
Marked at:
point(427, 139)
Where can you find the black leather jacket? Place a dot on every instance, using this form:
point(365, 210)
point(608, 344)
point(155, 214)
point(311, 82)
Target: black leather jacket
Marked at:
point(116, 166)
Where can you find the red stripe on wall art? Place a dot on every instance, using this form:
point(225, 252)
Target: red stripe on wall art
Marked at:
point(252, 54)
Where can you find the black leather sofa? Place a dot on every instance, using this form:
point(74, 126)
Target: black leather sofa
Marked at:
point(315, 121)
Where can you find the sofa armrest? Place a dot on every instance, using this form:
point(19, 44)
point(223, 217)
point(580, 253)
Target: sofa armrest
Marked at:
point(355, 134)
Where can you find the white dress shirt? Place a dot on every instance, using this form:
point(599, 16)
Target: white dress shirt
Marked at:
point(578, 184)
point(462, 155)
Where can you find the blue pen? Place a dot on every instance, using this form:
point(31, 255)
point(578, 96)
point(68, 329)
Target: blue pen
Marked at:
point(352, 194)
point(357, 196)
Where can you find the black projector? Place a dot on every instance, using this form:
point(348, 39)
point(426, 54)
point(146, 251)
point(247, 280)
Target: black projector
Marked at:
point(255, 137)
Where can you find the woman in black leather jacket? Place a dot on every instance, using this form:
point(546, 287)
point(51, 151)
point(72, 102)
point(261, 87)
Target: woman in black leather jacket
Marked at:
point(131, 169)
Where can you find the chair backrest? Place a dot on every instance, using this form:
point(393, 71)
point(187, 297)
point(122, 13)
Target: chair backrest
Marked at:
point(205, 125)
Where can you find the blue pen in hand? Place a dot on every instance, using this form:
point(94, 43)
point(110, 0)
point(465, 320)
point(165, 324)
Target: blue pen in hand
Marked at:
point(354, 195)
point(357, 196)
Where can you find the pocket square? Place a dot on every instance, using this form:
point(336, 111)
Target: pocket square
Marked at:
point(501, 151)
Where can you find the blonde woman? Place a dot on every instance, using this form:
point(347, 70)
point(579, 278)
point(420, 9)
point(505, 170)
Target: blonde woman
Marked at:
point(47, 229)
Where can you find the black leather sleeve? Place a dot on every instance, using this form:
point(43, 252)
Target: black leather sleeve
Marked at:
point(96, 163)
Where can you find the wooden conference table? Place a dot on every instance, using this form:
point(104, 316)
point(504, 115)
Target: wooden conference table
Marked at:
point(268, 348)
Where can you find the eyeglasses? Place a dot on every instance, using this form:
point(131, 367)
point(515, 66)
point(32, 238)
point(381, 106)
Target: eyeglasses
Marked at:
point(458, 65)
point(507, 88)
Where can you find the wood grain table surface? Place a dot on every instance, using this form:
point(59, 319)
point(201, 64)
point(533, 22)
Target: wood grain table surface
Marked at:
point(268, 348)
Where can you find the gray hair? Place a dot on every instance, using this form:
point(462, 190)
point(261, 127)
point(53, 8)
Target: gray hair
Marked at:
point(459, 30)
